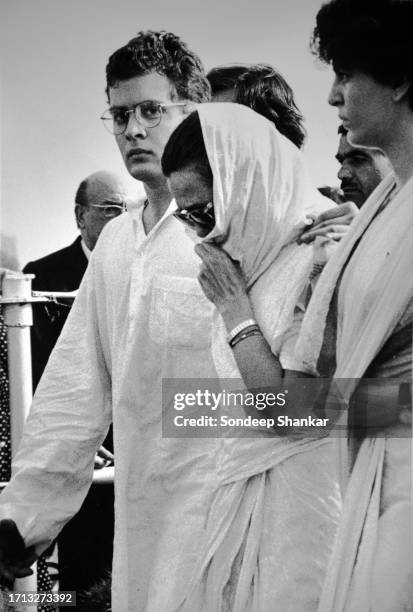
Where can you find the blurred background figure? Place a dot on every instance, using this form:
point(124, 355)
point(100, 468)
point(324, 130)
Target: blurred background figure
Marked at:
point(263, 89)
point(99, 198)
point(361, 169)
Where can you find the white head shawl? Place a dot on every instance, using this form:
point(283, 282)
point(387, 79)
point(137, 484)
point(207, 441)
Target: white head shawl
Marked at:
point(262, 193)
point(262, 197)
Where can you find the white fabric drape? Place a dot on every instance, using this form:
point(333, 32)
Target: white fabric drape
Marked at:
point(368, 328)
point(262, 199)
point(373, 316)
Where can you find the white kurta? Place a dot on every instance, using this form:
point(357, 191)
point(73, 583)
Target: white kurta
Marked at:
point(139, 316)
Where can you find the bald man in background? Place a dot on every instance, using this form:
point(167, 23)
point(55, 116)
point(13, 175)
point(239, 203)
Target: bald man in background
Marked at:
point(86, 542)
point(100, 197)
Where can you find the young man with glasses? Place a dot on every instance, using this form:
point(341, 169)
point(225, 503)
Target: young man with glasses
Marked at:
point(140, 317)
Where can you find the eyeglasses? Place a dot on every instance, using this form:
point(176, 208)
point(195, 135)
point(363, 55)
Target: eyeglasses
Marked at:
point(199, 214)
point(110, 210)
point(148, 114)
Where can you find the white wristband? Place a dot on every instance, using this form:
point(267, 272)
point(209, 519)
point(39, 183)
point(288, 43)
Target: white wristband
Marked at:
point(240, 327)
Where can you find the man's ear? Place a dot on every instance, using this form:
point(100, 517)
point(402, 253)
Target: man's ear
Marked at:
point(401, 90)
point(80, 214)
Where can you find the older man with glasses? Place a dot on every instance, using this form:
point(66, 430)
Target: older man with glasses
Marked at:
point(100, 197)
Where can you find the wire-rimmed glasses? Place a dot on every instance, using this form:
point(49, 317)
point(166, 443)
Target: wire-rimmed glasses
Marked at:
point(147, 113)
point(109, 211)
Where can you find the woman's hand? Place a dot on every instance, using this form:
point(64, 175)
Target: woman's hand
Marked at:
point(103, 458)
point(222, 282)
point(334, 223)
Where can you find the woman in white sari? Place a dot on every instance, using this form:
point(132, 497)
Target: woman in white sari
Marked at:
point(362, 311)
point(271, 518)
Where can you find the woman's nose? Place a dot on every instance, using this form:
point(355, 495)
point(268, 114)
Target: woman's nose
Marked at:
point(335, 96)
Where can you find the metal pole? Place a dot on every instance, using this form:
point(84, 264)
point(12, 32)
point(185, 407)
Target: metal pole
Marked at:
point(18, 318)
point(17, 298)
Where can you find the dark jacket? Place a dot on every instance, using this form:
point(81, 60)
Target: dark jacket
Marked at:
point(60, 271)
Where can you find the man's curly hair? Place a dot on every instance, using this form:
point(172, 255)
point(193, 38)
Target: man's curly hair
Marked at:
point(164, 53)
point(373, 36)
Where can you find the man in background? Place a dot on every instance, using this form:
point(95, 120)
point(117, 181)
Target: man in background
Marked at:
point(100, 197)
point(361, 170)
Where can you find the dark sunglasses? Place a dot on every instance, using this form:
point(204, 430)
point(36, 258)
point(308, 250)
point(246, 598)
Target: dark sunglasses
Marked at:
point(197, 215)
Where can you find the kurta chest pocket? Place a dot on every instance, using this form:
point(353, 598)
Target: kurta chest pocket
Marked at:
point(180, 314)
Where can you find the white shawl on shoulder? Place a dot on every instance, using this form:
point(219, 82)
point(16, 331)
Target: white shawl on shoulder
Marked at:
point(368, 326)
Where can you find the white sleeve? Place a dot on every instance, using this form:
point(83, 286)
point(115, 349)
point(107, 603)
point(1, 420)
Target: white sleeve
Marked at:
point(68, 421)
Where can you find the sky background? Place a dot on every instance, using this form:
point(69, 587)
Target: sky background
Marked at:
point(53, 58)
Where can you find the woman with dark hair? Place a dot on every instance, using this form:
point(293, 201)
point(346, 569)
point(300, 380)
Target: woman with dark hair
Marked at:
point(263, 89)
point(358, 327)
point(272, 512)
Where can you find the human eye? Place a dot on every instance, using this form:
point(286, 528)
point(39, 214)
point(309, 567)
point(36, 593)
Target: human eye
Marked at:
point(150, 109)
point(112, 211)
point(343, 76)
point(119, 116)
point(359, 159)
